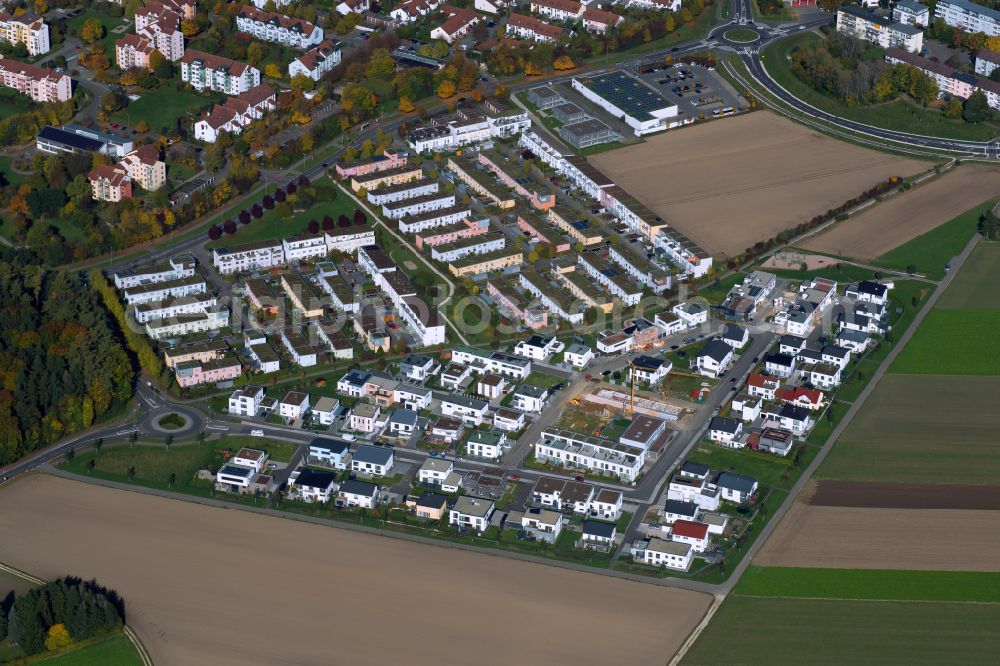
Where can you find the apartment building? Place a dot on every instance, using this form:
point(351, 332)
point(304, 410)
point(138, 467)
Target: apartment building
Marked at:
point(408, 190)
point(968, 16)
point(205, 71)
point(492, 241)
point(28, 29)
point(477, 264)
point(395, 210)
point(453, 215)
point(109, 183)
point(387, 160)
point(862, 24)
point(195, 351)
point(196, 373)
point(317, 61)
point(173, 268)
point(212, 319)
point(278, 28)
point(172, 307)
point(236, 113)
point(515, 305)
point(38, 83)
point(576, 450)
point(370, 180)
point(144, 166)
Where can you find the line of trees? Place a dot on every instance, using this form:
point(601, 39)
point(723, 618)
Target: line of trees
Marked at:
point(60, 613)
point(137, 342)
point(61, 366)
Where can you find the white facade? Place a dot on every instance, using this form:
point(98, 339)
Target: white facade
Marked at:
point(471, 513)
point(669, 554)
point(246, 401)
point(968, 16)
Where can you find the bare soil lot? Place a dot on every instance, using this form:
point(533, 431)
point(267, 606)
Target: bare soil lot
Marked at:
point(975, 286)
point(874, 495)
point(906, 216)
point(935, 429)
point(858, 538)
point(731, 183)
point(212, 586)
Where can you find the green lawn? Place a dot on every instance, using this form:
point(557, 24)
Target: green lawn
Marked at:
point(161, 108)
point(109, 23)
point(273, 225)
point(741, 35)
point(877, 584)
point(543, 380)
point(13, 103)
point(898, 115)
point(114, 651)
point(975, 285)
point(767, 469)
point(930, 252)
point(953, 342)
point(716, 290)
point(9, 175)
point(760, 630)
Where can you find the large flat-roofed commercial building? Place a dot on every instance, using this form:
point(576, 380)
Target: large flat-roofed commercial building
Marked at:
point(626, 97)
point(586, 133)
point(78, 139)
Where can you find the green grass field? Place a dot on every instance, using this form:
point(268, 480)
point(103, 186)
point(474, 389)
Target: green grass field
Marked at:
point(13, 103)
point(877, 584)
point(272, 225)
point(953, 342)
point(109, 23)
point(898, 115)
point(161, 108)
point(929, 253)
point(114, 651)
point(975, 286)
point(759, 630)
point(896, 438)
point(543, 380)
point(741, 35)
point(767, 469)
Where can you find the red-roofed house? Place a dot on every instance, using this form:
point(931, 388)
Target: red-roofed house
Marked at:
point(598, 20)
point(557, 10)
point(409, 11)
point(144, 166)
point(133, 51)
point(458, 25)
point(803, 397)
point(109, 183)
point(207, 71)
point(692, 533)
point(528, 27)
point(39, 83)
point(762, 385)
point(237, 113)
point(316, 62)
point(278, 28)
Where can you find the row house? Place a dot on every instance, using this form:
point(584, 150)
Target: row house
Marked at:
point(450, 232)
point(278, 28)
point(409, 11)
point(558, 10)
point(387, 160)
point(317, 62)
point(173, 307)
point(499, 363)
point(554, 299)
point(490, 242)
point(618, 285)
point(408, 190)
point(517, 179)
point(542, 231)
point(598, 20)
point(39, 83)
point(479, 264)
point(459, 24)
point(576, 450)
point(515, 305)
point(173, 268)
point(195, 351)
point(376, 178)
point(205, 71)
point(236, 113)
point(196, 373)
point(637, 265)
point(211, 319)
point(452, 215)
point(531, 28)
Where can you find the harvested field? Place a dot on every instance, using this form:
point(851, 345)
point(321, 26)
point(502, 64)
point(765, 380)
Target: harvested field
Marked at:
point(854, 538)
point(732, 183)
point(875, 495)
point(906, 216)
point(762, 630)
point(922, 429)
point(975, 286)
point(212, 586)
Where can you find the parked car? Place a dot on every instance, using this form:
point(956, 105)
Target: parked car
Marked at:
point(257, 433)
point(348, 436)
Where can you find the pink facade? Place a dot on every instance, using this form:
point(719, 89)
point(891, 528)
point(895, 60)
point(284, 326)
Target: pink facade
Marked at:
point(534, 318)
point(451, 233)
point(527, 228)
point(196, 374)
point(384, 162)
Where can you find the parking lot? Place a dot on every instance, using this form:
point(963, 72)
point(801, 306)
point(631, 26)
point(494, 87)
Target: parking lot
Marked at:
point(696, 90)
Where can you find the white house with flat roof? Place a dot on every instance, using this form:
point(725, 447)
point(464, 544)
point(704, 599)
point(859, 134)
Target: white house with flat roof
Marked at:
point(471, 513)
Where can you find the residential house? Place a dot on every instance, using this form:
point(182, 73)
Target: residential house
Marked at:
point(792, 417)
point(471, 513)
point(469, 410)
point(714, 358)
point(317, 62)
point(644, 431)
point(578, 355)
point(725, 430)
point(662, 553)
point(508, 420)
point(607, 504)
point(779, 365)
point(430, 506)
point(538, 347)
point(736, 487)
point(364, 417)
point(372, 460)
point(674, 510)
point(403, 423)
point(246, 401)
point(325, 410)
point(650, 370)
point(486, 444)
point(563, 495)
point(311, 486)
point(417, 367)
point(329, 453)
point(692, 533)
point(491, 386)
point(293, 406)
point(735, 336)
point(360, 494)
point(530, 398)
point(542, 524)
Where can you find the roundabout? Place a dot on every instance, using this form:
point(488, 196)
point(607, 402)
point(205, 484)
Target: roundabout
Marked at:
point(741, 35)
point(177, 420)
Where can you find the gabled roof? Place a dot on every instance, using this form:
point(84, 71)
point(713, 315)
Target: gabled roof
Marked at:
point(362, 488)
point(727, 425)
point(738, 482)
point(690, 529)
point(717, 350)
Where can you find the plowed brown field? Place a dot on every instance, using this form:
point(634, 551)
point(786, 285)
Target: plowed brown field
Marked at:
point(732, 183)
point(205, 585)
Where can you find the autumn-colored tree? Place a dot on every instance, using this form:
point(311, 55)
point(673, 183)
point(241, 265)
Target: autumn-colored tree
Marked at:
point(92, 30)
point(272, 71)
point(190, 28)
point(446, 89)
point(563, 62)
point(41, 7)
point(406, 105)
point(142, 126)
point(58, 638)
